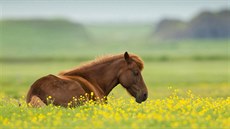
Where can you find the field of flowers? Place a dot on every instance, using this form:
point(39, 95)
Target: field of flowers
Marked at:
point(175, 111)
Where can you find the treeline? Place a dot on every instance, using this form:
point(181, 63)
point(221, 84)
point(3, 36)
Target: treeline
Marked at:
point(203, 26)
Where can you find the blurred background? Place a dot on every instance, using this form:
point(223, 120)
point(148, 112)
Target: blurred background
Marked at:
point(184, 44)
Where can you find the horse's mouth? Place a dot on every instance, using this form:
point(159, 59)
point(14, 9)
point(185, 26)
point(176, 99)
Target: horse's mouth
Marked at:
point(142, 98)
point(138, 100)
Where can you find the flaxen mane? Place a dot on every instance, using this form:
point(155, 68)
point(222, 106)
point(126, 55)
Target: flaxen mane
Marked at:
point(105, 59)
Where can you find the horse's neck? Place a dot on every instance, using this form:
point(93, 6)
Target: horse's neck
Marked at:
point(103, 76)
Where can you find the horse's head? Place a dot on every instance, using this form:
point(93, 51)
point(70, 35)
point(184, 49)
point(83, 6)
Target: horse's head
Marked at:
point(131, 79)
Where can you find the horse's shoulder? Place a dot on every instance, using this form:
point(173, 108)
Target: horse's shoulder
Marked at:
point(44, 79)
point(49, 76)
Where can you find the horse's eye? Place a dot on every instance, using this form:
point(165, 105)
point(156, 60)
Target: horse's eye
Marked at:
point(136, 73)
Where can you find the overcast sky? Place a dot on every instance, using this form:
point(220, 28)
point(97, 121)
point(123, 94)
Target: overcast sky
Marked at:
point(108, 10)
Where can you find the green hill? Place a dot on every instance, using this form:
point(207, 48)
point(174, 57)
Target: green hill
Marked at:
point(39, 37)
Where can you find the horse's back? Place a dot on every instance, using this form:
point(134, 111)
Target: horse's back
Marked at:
point(61, 90)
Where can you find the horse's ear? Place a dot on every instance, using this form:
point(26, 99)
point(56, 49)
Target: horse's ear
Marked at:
point(127, 57)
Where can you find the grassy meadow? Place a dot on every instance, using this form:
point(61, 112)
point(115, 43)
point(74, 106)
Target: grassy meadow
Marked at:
point(188, 81)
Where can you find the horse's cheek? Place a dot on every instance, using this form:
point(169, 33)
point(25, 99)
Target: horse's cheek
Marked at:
point(124, 81)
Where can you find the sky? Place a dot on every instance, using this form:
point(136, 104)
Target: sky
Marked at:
point(108, 10)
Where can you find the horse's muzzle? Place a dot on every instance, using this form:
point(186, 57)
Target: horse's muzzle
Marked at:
point(142, 98)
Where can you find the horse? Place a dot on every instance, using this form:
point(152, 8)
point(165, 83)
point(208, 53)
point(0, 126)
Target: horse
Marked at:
point(93, 80)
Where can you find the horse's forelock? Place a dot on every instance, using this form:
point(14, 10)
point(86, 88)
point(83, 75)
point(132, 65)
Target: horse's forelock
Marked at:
point(138, 61)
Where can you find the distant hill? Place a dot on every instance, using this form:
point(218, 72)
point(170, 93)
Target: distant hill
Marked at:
point(48, 31)
point(203, 26)
point(40, 37)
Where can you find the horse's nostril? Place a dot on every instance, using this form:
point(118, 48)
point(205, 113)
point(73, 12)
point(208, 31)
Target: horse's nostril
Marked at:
point(145, 95)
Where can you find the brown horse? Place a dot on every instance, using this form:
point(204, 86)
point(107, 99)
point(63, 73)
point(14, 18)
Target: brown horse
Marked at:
point(98, 78)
